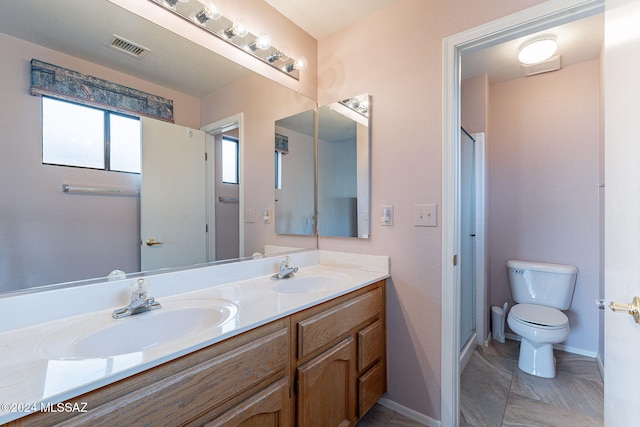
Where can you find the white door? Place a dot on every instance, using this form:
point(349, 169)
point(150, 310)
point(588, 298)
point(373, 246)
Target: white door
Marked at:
point(172, 196)
point(622, 208)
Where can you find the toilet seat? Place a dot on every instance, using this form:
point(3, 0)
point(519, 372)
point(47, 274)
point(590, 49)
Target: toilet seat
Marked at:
point(539, 316)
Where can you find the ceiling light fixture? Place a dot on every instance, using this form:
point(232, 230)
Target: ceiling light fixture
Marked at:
point(537, 50)
point(211, 20)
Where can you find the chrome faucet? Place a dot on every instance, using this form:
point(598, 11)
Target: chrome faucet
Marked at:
point(140, 303)
point(285, 270)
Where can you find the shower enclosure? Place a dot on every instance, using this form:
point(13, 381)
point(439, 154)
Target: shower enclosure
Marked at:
point(467, 238)
point(474, 310)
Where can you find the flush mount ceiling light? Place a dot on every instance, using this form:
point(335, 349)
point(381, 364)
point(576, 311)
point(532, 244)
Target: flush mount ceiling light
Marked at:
point(206, 15)
point(537, 50)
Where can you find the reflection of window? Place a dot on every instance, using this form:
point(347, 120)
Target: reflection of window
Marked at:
point(229, 160)
point(77, 135)
point(278, 169)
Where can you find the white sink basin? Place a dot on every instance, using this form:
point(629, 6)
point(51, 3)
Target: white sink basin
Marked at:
point(304, 284)
point(143, 331)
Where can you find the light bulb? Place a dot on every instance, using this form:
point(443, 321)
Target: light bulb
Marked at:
point(298, 64)
point(280, 54)
point(301, 63)
point(238, 29)
point(538, 50)
point(210, 11)
point(263, 42)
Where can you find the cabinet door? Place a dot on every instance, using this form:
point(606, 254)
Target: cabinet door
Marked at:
point(326, 387)
point(267, 408)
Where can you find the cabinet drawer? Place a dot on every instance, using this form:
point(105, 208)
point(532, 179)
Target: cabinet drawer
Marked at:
point(187, 394)
point(331, 325)
point(370, 345)
point(371, 387)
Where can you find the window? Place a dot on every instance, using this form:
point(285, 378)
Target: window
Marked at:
point(229, 160)
point(81, 136)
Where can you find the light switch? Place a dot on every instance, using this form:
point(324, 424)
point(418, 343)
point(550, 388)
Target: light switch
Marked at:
point(425, 215)
point(266, 215)
point(249, 215)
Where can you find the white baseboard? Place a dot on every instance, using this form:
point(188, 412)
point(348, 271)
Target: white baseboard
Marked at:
point(409, 413)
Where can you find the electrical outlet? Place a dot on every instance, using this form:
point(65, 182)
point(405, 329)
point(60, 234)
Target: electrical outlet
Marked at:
point(425, 215)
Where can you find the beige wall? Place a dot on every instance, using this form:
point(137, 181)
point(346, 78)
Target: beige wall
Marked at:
point(544, 202)
point(396, 56)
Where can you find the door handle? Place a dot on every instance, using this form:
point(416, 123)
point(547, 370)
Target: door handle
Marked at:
point(152, 242)
point(632, 309)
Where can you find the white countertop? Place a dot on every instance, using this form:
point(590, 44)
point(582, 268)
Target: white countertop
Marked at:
point(37, 369)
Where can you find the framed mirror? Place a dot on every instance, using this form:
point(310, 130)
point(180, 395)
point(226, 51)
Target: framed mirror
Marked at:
point(295, 174)
point(344, 168)
point(48, 236)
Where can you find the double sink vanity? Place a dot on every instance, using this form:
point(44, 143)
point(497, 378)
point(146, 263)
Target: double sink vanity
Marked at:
point(227, 345)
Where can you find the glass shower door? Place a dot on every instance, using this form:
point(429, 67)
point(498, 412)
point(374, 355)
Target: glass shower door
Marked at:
point(467, 230)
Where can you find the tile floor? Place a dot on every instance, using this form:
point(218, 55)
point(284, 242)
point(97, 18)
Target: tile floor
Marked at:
point(495, 393)
point(379, 416)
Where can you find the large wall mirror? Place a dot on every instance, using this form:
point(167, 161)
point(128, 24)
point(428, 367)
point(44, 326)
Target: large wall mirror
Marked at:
point(344, 168)
point(48, 236)
point(295, 174)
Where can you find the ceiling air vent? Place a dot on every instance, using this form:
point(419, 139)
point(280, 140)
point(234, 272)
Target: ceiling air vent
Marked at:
point(130, 48)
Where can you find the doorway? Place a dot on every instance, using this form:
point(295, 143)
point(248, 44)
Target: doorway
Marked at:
point(225, 196)
point(529, 21)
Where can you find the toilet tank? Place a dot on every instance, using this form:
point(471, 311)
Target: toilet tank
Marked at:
point(541, 283)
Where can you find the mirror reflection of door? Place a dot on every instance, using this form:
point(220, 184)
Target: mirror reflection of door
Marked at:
point(227, 197)
point(172, 196)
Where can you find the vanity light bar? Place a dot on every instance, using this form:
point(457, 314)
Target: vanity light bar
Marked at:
point(209, 19)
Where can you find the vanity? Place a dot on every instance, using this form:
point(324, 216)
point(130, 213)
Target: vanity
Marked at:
point(229, 347)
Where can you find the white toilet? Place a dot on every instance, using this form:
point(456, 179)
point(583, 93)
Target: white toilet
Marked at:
point(540, 290)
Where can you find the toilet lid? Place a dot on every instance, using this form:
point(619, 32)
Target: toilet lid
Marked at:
point(540, 315)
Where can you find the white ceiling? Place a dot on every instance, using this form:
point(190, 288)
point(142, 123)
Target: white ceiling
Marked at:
point(320, 18)
point(81, 29)
point(578, 41)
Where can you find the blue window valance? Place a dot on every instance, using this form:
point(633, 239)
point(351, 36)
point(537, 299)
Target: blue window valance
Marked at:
point(282, 143)
point(58, 82)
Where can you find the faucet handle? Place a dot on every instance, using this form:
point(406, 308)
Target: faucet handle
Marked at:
point(139, 286)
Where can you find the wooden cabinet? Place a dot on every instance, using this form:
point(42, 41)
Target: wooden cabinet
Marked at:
point(326, 388)
point(325, 365)
point(211, 385)
point(340, 358)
